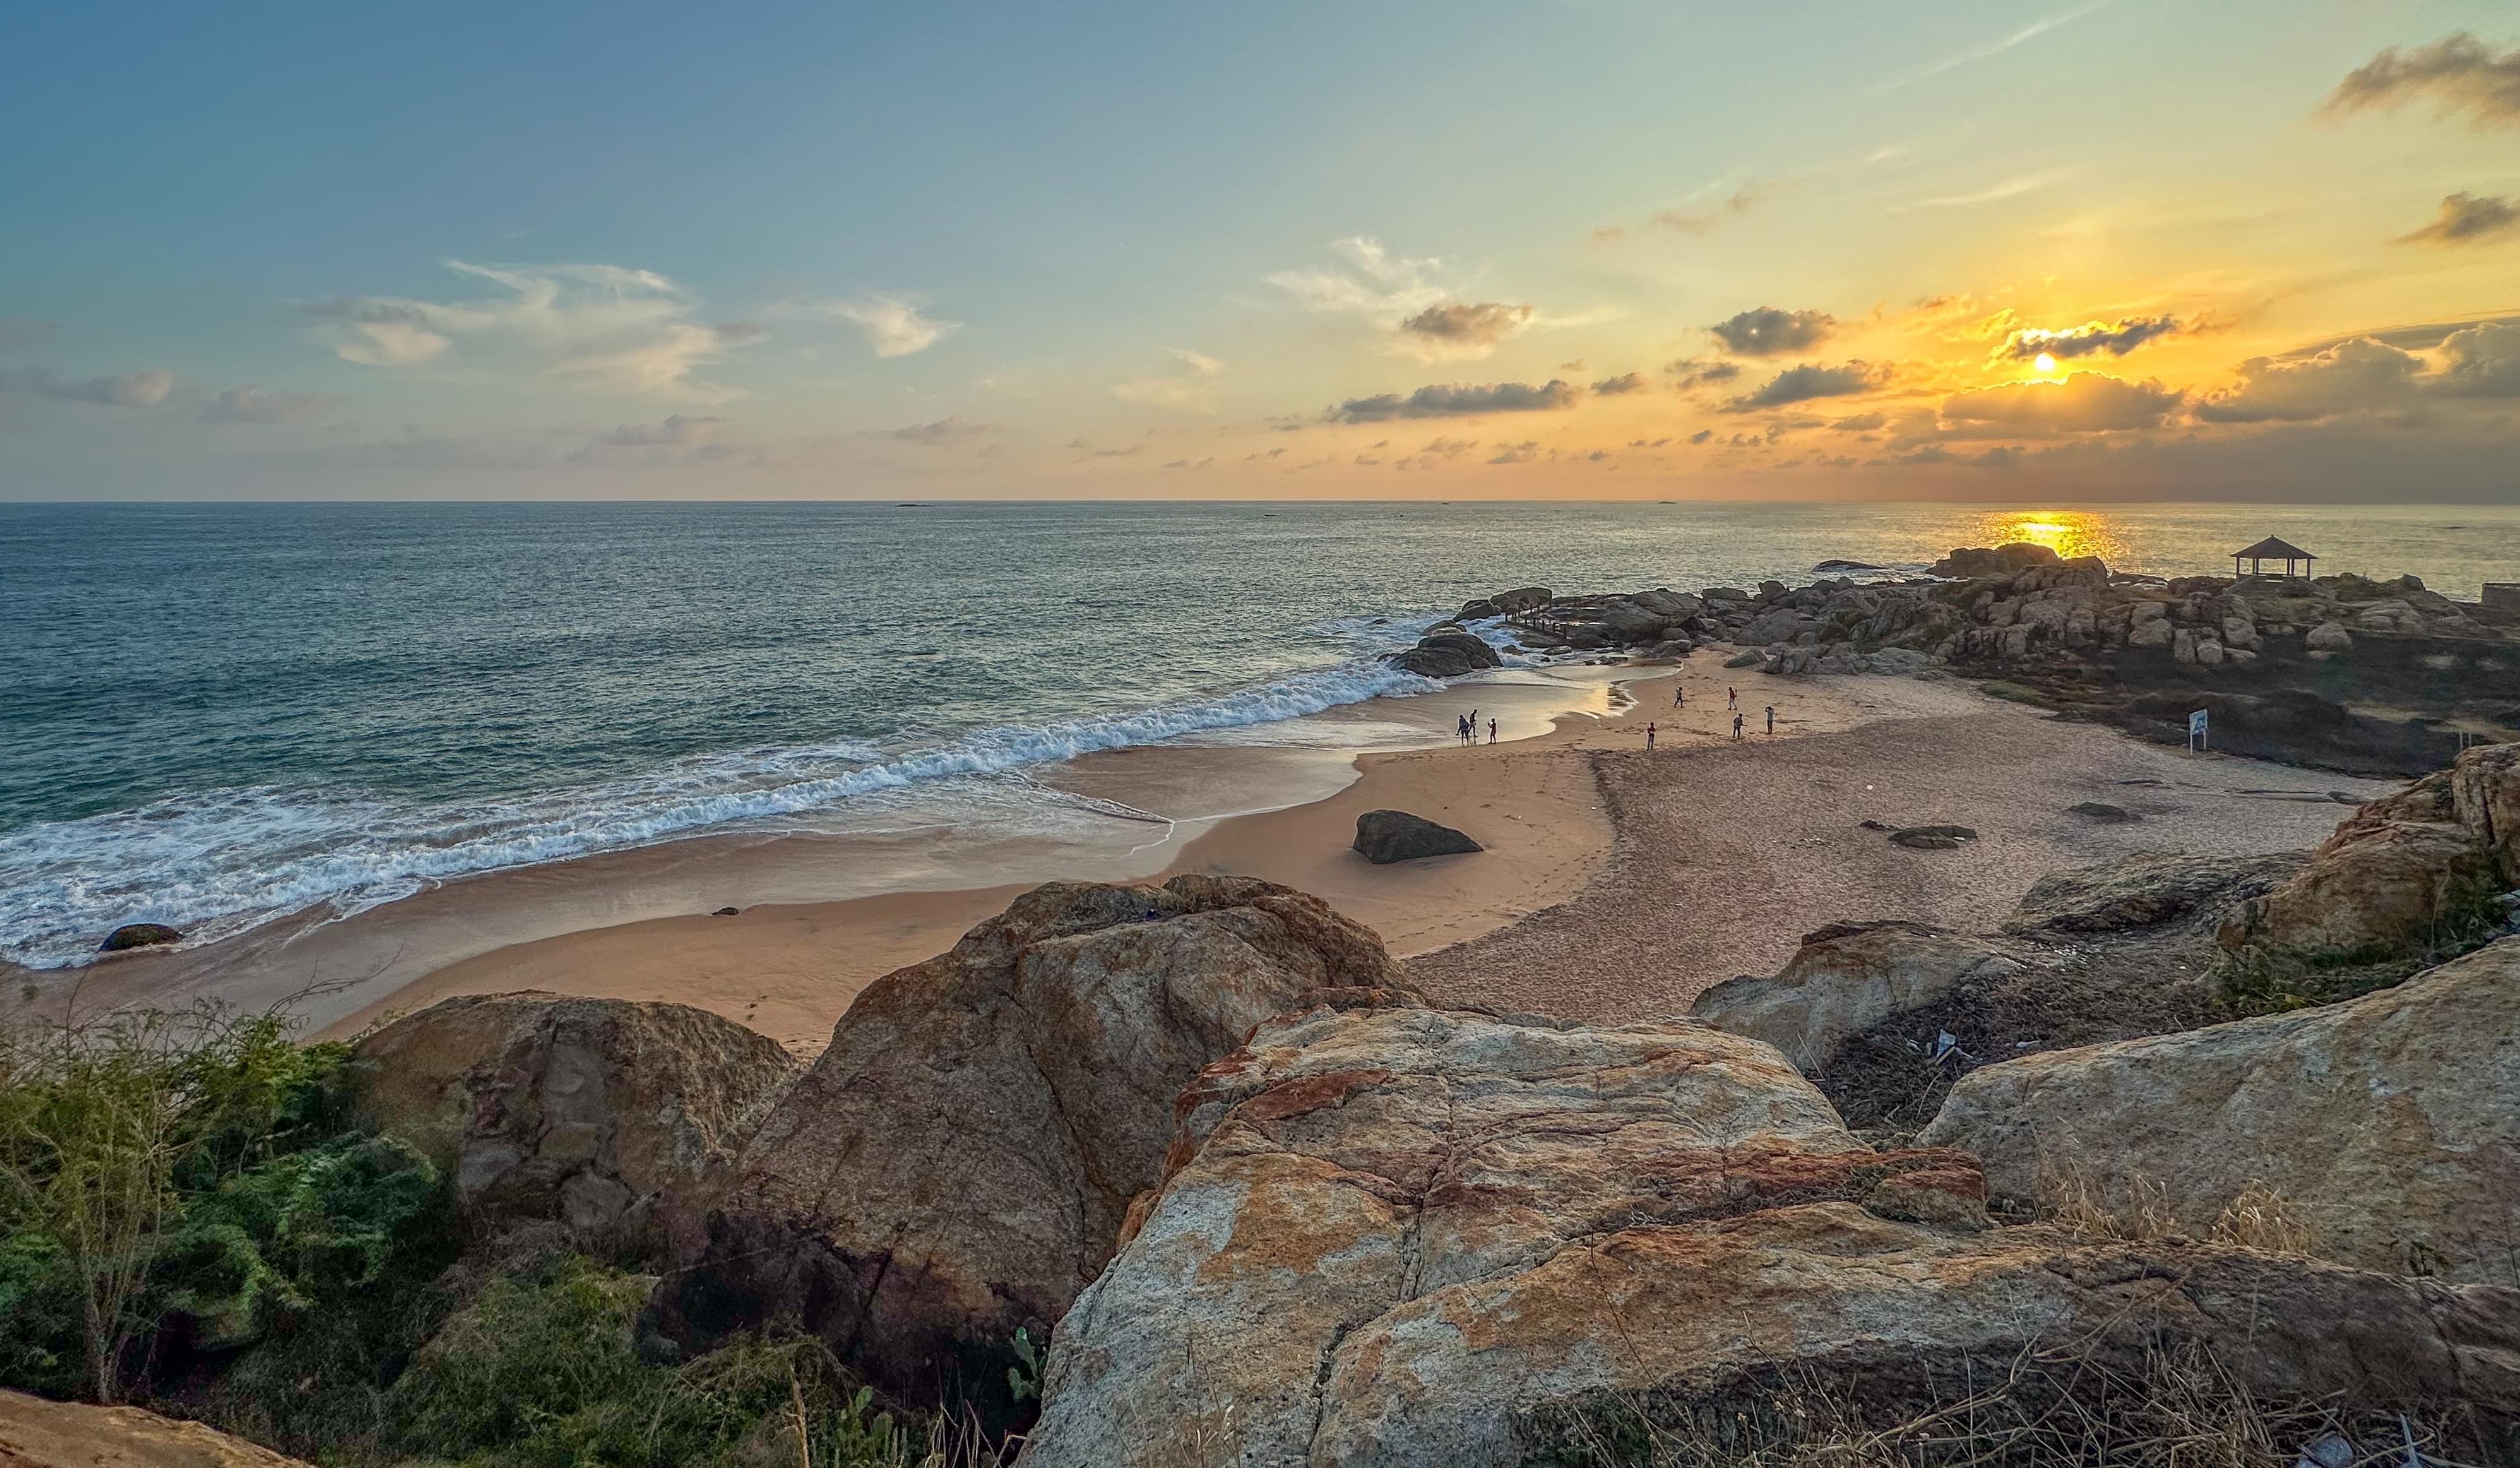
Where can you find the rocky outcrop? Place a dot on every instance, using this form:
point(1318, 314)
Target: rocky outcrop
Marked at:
point(2144, 891)
point(2389, 1126)
point(957, 1164)
point(1846, 979)
point(139, 936)
point(2011, 559)
point(619, 1119)
point(1384, 836)
point(38, 1434)
point(2408, 871)
point(1446, 651)
point(1394, 1239)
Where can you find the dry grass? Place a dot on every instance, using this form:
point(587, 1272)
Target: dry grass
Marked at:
point(2136, 1208)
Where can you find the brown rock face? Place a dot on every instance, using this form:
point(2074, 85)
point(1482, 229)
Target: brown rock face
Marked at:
point(2403, 870)
point(1844, 980)
point(1394, 1233)
point(39, 1433)
point(2390, 1124)
point(620, 1119)
point(959, 1162)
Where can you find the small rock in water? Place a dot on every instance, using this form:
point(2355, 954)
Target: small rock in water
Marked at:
point(2102, 811)
point(1933, 838)
point(1842, 565)
point(1384, 836)
point(727, 912)
point(138, 935)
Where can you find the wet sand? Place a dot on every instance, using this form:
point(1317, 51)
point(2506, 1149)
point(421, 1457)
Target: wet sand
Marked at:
point(1616, 885)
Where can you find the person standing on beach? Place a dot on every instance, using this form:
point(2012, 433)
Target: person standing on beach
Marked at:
point(1678, 696)
point(1772, 719)
point(1462, 727)
point(1731, 698)
point(1650, 738)
point(1490, 731)
point(1736, 726)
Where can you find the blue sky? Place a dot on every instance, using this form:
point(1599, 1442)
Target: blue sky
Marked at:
point(285, 250)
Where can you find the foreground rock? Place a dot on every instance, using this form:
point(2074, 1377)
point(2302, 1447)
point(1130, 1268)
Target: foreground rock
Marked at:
point(1846, 979)
point(2416, 869)
point(1384, 836)
point(2389, 1127)
point(957, 1164)
point(619, 1119)
point(38, 1434)
point(1410, 1238)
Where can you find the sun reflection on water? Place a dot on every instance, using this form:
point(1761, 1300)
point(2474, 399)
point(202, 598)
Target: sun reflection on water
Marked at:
point(2067, 533)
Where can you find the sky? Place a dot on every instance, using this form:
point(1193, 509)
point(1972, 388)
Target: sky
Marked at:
point(2083, 251)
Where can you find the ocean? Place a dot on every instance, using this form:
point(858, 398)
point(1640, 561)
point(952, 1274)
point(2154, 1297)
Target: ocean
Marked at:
point(216, 715)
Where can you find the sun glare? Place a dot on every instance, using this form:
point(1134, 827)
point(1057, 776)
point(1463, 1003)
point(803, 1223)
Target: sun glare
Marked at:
point(2067, 533)
point(2046, 363)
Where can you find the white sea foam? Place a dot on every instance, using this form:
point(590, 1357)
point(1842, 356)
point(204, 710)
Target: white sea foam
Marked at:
point(218, 863)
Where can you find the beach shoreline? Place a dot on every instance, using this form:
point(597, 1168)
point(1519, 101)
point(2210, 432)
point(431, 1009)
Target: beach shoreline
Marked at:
point(1672, 869)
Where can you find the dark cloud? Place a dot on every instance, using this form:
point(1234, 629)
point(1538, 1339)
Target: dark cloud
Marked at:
point(677, 431)
point(2087, 402)
point(943, 433)
point(2458, 73)
point(1625, 382)
point(250, 404)
point(1767, 331)
point(2466, 219)
point(1701, 436)
point(1693, 373)
point(2091, 339)
point(2482, 361)
point(1861, 422)
point(1459, 401)
point(1807, 381)
point(2351, 377)
point(1461, 323)
point(131, 390)
point(1695, 220)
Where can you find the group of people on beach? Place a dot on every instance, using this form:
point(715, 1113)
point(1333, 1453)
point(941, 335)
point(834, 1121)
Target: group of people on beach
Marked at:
point(1468, 728)
point(1731, 706)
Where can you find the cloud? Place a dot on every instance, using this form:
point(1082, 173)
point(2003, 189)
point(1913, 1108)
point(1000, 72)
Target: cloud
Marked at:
point(603, 327)
point(943, 433)
point(893, 327)
point(1375, 282)
point(1701, 436)
point(1693, 373)
point(1767, 331)
point(1459, 401)
point(1996, 47)
point(2466, 219)
point(2091, 339)
point(2086, 403)
point(2011, 187)
point(1861, 422)
point(2350, 376)
point(1190, 386)
point(130, 389)
point(250, 404)
point(1625, 382)
point(1691, 218)
point(1808, 381)
point(1516, 454)
point(2458, 73)
point(677, 431)
point(18, 332)
point(2482, 361)
point(1457, 329)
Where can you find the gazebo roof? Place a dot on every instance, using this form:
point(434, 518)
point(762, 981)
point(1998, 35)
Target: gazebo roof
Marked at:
point(2270, 549)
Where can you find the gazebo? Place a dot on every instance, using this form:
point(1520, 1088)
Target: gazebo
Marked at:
point(2271, 549)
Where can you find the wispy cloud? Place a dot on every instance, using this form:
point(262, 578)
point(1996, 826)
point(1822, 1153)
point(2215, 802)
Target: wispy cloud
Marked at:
point(1190, 386)
point(1459, 401)
point(2466, 219)
point(129, 390)
point(251, 404)
point(2011, 187)
point(1995, 48)
point(2091, 339)
point(2458, 73)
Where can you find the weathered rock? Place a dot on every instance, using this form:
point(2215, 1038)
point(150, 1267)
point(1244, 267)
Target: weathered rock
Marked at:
point(1392, 1235)
point(1745, 659)
point(2145, 890)
point(2403, 870)
point(1384, 836)
point(139, 936)
point(957, 1164)
point(38, 1434)
point(1523, 599)
point(1443, 654)
point(2389, 1126)
point(2328, 638)
point(620, 1119)
point(2007, 559)
point(1933, 838)
point(2485, 797)
point(1845, 978)
point(2103, 811)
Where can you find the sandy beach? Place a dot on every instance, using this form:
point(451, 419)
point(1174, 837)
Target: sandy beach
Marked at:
point(1617, 882)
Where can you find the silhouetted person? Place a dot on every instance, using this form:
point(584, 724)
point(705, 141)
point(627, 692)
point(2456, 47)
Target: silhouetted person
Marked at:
point(1736, 726)
point(1679, 697)
point(1772, 719)
point(1649, 737)
point(1490, 731)
point(1731, 698)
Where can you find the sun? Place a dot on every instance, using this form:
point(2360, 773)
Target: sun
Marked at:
point(2046, 363)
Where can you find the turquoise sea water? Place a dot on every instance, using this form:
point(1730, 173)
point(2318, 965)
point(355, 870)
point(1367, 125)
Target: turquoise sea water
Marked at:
point(213, 715)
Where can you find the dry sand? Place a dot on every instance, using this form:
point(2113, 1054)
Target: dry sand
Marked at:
point(1617, 883)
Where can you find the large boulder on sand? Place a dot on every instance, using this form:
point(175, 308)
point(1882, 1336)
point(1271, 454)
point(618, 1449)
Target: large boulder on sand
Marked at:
point(1399, 1239)
point(1446, 653)
point(620, 1119)
point(2403, 871)
point(1384, 836)
point(1844, 980)
point(38, 1434)
point(2389, 1127)
point(957, 1164)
